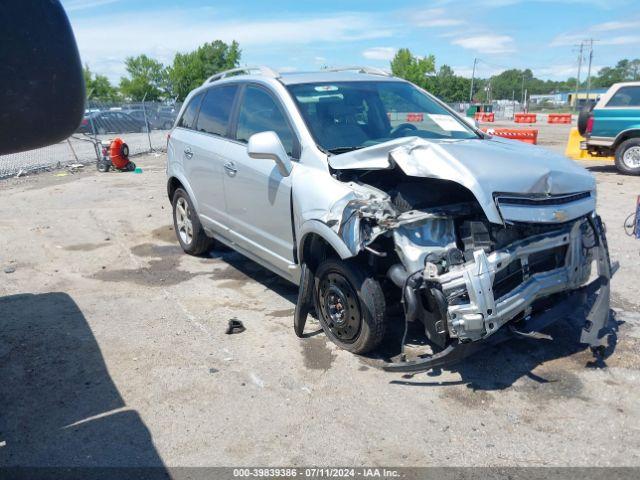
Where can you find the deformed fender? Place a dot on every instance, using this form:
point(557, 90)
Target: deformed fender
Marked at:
point(327, 234)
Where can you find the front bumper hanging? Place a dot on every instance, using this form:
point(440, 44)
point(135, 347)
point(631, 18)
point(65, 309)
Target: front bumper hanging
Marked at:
point(594, 332)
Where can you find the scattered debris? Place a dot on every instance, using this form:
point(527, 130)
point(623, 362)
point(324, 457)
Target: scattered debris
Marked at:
point(235, 326)
point(9, 269)
point(20, 173)
point(257, 380)
point(213, 370)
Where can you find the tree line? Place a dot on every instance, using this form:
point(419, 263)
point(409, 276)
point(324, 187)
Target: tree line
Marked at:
point(149, 79)
point(448, 86)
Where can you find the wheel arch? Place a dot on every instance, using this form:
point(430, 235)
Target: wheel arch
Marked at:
point(174, 182)
point(317, 241)
point(626, 135)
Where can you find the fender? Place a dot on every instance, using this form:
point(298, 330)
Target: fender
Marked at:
point(178, 174)
point(629, 133)
point(322, 230)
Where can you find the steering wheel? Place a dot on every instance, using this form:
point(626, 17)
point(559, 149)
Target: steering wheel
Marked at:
point(395, 132)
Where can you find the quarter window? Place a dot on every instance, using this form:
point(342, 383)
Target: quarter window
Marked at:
point(190, 114)
point(259, 112)
point(626, 97)
point(216, 109)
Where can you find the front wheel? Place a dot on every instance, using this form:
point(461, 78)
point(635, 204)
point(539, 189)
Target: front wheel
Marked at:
point(628, 156)
point(350, 305)
point(187, 225)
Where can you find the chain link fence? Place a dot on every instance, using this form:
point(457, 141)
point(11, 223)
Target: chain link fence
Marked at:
point(143, 126)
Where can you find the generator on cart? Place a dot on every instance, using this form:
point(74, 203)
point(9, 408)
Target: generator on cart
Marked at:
point(115, 155)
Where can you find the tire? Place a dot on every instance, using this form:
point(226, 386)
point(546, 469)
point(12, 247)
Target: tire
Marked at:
point(359, 324)
point(628, 156)
point(104, 166)
point(168, 125)
point(197, 242)
point(583, 117)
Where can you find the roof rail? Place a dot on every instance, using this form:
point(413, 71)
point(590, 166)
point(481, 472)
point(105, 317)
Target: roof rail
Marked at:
point(266, 71)
point(360, 69)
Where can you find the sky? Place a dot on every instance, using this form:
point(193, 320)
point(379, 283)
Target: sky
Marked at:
point(291, 35)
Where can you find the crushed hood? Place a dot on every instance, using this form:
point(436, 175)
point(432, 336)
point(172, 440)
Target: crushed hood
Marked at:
point(484, 166)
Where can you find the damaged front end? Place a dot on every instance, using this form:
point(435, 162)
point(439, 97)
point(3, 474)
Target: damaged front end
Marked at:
point(474, 266)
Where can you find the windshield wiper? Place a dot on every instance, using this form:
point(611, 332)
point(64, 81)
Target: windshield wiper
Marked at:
point(338, 150)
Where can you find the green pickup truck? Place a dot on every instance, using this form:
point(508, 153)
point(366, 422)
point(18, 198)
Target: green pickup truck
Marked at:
point(612, 127)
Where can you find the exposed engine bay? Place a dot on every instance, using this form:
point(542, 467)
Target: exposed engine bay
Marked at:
point(472, 248)
point(461, 275)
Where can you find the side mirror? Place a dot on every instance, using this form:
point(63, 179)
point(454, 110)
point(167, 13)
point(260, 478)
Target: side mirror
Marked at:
point(41, 82)
point(267, 145)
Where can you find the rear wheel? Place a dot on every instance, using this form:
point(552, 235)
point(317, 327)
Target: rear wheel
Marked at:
point(187, 225)
point(628, 156)
point(350, 305)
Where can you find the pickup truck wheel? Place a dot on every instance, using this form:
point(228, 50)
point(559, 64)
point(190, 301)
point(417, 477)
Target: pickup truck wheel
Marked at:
point(628, 156)
point(187, 225)
point(350, 305)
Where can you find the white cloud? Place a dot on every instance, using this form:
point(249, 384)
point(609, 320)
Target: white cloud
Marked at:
point(563, 71)
point(164, 33)
point(379, 53)
point(74, 5)
point(433, 18)
point(486, 43)
point(616, 25)
point(621, 40)
point(600, 32)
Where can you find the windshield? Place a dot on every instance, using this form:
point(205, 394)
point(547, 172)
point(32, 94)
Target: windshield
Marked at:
point(344, 116)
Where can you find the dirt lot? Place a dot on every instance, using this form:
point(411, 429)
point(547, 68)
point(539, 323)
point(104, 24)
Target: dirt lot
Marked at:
point(113, 352)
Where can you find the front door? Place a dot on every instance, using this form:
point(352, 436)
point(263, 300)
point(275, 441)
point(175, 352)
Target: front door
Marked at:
point(258, 197)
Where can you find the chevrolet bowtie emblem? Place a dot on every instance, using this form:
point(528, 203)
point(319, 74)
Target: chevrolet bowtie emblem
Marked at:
point(560, 215)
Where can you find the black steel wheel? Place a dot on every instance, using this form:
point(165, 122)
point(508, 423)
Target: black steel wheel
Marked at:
point(350, 305)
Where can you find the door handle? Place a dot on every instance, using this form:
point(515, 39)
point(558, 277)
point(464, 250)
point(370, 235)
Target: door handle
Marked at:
point(188, 153)
point(231, 169)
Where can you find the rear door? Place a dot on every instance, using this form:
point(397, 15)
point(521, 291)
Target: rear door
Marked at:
point(209, 147)
point(258, 197)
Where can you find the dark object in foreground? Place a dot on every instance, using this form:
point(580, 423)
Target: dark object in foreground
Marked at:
point(235, 326)
point(41, 82)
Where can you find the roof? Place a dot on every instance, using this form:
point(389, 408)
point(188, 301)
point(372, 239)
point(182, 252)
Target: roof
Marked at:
point(295, 78)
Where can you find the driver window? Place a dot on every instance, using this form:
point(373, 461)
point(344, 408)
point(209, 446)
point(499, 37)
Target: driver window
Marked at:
point(260, 113)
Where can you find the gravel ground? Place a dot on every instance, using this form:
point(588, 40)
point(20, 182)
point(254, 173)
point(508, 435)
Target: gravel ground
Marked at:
point(113, 352)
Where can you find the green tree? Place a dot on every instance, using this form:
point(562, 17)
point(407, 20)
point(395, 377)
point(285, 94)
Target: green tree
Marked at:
point(625, 70)
point(448, 86)
point(147, 79)
point(190, 70)
point(98, 87)
point(414, 69)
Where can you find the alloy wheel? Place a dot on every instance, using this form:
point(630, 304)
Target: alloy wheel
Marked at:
point(183, 221)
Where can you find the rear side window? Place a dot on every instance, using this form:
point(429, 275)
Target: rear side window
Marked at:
point(259, 112)
point(190, 114)
point(216, 109)
point(626, 97)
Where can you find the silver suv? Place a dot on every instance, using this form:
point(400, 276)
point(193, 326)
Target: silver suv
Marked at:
point(367, 191)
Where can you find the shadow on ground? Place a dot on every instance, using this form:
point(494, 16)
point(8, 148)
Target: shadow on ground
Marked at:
point(498, 367)
point(60, 407)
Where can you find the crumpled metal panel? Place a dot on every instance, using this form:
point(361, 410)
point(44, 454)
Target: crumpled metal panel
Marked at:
point(484, 166)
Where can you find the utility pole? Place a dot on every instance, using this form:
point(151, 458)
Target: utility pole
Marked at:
point(473, 75)
point(589, 70)
point(578, 78)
